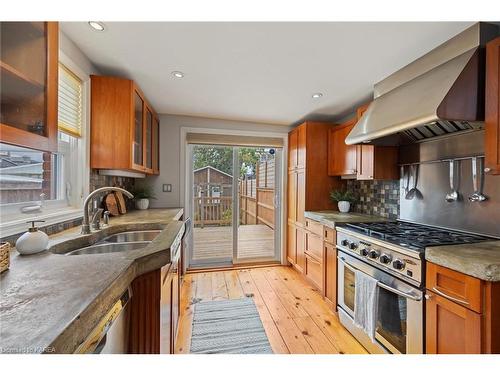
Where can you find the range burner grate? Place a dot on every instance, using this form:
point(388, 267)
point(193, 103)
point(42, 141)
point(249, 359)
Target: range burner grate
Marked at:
point(414, 236)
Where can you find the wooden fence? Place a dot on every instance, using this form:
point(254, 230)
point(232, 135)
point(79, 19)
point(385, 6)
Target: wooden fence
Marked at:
point(256, 199)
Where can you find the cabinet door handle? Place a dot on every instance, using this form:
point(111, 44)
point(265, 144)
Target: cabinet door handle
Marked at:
point(437, 291)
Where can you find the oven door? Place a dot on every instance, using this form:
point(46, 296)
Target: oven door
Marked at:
point(400, 309)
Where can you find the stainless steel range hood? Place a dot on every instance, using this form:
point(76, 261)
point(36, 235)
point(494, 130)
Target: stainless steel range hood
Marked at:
point(442, 92)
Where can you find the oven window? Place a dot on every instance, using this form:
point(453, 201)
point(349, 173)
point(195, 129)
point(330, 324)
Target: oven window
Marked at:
point(349, 287)
point(391, 322)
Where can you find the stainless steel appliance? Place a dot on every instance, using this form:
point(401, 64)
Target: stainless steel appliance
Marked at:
point(440, 93)
point(393, 254)
point(110, 336)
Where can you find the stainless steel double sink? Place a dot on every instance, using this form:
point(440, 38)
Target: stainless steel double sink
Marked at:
point(119, 242)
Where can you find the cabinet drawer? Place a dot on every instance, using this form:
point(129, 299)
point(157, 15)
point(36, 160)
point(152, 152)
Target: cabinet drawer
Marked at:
point(330, 236)
point(314, 246)
point(455, 286)
point(314, 272)
point(314, 227)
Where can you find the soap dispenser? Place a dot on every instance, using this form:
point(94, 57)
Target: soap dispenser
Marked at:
point(33, 241)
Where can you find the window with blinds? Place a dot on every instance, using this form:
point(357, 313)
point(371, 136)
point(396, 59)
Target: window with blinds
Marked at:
point(70, 104)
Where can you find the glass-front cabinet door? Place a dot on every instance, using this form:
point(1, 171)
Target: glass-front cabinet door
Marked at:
point(138, 145)
point(156, 146)
point(148, 134)
point(28, 84)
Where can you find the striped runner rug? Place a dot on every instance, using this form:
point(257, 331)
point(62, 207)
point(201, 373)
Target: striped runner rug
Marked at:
point(228, 327)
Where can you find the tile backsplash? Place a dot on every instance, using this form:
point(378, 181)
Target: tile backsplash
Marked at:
point(379, 198)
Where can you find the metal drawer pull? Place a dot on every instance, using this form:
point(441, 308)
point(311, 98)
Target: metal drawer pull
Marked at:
point(384, 286)
point(437, 291)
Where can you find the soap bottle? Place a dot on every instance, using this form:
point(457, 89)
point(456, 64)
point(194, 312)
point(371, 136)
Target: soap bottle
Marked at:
point(33, 241)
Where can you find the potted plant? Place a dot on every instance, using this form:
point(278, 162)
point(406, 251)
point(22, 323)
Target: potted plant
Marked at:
point(344, 199)
point(142, 194)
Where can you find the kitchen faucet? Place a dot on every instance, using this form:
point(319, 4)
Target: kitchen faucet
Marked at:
point(96, 216)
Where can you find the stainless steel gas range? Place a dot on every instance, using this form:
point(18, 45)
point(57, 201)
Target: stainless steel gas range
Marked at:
point(393, 254)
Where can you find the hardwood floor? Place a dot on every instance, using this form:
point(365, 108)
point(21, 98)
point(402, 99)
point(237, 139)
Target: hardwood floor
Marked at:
point(294, 315)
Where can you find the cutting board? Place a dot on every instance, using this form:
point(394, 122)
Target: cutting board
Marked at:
point(122, 207)
point(112, 204)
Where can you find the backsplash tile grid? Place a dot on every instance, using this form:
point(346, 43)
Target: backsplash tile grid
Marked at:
point(379, 197)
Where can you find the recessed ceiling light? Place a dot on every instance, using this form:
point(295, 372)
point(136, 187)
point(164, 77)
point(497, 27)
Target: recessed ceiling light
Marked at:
point(317, 95)
point(99, 26)
point(178, 74)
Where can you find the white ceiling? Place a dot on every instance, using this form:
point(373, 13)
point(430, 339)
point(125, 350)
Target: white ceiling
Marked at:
point(260, 72)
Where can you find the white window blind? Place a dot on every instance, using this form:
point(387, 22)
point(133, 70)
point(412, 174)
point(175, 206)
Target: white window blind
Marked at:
point(70, 102)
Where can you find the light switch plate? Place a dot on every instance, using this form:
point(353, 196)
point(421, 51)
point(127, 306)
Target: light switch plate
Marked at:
point(167, 188)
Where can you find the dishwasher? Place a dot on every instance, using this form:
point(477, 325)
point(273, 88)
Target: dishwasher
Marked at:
point(110, 336)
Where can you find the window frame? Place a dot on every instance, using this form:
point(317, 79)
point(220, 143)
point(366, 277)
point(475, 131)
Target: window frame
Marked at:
point(58, 210)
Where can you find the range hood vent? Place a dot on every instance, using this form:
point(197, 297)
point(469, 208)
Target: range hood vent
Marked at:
point(441, 128)
point(440, 93)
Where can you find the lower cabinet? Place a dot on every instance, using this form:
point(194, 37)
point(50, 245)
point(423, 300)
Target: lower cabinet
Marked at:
point(462, 313)
point(311, 250)
point(331, 275)
point(313, 272)
point(451, 328)
point(154, 310)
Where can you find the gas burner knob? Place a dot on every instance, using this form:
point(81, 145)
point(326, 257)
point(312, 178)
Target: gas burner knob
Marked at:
point(344, 243)
point(398, 264)
point(385, 258)
point(373, 254)
point(363, 252)
point(353, 246)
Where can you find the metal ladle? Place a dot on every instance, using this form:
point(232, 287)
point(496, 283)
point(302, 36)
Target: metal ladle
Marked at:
point(477, 181)
point(453, 195)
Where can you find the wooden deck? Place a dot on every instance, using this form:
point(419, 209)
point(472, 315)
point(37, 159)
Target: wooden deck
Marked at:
point(216, 243)
point(294, 315)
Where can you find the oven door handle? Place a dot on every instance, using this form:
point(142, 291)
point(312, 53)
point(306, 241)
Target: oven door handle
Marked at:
point(382, 285)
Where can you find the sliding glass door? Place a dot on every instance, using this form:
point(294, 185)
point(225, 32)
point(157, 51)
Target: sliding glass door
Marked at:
point(235, 195)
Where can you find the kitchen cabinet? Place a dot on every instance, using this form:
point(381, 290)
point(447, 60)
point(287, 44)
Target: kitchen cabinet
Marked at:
point(29, 83)
point(492, 110)
point(124, 127)
point(309, 185)
point(462, 313)
point(320, 268)
point(155, 309)
point(330, 268)
point(367, 162)
point(341, 157)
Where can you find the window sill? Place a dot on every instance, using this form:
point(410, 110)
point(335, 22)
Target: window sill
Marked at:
point(18, 225)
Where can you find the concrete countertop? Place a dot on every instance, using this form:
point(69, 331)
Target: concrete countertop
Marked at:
point(481, 260)
point(332, 218)
point(50, 302)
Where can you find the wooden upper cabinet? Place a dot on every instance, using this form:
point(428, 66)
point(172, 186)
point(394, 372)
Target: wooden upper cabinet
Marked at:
point(341, 157)
point(124, 127)
point(156, 145)
point(29, 82)
point(367, 162)
point(492, 111)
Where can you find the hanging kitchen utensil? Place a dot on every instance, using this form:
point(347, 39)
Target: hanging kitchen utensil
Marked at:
point(453, 195)
point(407, 178)
point(414, 175)
point(477, 180)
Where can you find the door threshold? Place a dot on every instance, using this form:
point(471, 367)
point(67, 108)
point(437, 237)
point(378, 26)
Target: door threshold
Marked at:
point(232, 267)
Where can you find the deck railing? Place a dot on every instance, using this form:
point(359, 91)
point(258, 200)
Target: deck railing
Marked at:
point(212, 210)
